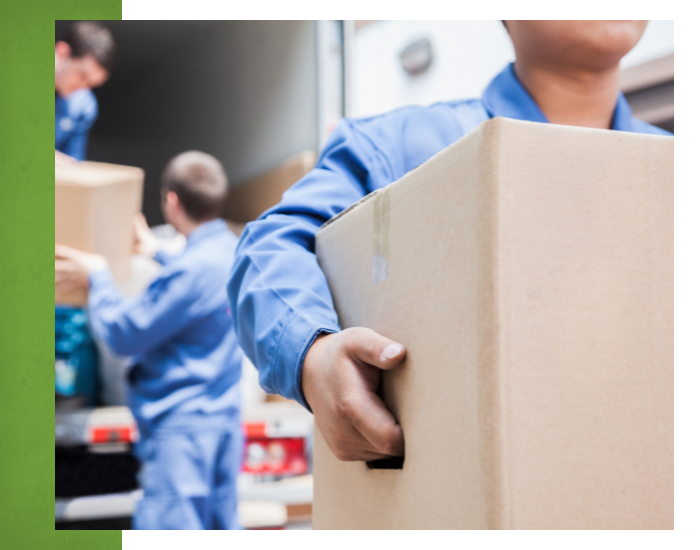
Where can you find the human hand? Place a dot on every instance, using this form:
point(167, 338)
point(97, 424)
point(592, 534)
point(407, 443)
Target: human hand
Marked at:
point(145, 242)
point(340, 378)
point(64, 160)
point(69, 276)
point(73, 267)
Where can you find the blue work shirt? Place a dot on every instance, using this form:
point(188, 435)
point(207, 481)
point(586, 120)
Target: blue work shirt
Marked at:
point(187, 360)
point(75, 116)
point(279, 295)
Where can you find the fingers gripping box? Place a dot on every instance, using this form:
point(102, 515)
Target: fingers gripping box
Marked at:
point(528, 270)
point(95, 208)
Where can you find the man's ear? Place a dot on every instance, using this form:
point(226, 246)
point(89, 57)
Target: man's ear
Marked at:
point(62, 49)
point(176, 213)
point(173, 200)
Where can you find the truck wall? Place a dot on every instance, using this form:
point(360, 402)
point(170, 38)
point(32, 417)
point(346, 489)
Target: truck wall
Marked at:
point(244, 91)
point(466, 56)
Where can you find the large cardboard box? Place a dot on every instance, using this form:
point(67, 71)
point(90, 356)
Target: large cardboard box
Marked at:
point(95, 208)
point(246, 201)
point(528, 269)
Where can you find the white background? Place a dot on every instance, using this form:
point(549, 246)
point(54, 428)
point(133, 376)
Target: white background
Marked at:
point(467, 55)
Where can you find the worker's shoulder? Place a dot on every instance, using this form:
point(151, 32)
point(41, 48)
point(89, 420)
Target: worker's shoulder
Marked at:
point(82, 102)
point(444, 121)
point(214, 253)
point(642, 127)
point(436, 114)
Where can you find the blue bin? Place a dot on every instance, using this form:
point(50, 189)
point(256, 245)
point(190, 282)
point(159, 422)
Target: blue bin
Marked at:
point(76, 356)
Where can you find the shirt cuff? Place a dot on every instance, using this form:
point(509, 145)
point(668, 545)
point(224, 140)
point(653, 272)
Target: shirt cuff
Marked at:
point(100, 278)
point(290, 355)
point(161, 257)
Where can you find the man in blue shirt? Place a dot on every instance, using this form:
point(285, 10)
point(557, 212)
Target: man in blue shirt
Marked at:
point(84, 57)
point(183, 385)
point(565, 72)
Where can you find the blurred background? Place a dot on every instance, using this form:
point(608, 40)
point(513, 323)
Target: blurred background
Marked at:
point(261, 96)
point(253, 93)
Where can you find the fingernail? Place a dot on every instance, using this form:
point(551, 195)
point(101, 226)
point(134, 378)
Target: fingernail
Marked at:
point(391, 351)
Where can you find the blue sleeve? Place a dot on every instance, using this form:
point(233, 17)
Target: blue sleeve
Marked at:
point(130, 326)
point(76, 146)
point(280, 300)
point(163, 258)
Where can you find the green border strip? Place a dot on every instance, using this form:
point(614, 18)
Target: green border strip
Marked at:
point(26, 292)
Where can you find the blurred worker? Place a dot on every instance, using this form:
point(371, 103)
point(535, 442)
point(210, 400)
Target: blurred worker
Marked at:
point(565, 72)
point(84, 57)
point(183, 385)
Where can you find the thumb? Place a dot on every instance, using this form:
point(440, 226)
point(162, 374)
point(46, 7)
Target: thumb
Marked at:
point(63, 251)
point(372, 348)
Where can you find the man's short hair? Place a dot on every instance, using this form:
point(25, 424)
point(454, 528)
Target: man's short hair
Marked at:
point(199, 181)
point(91, 38)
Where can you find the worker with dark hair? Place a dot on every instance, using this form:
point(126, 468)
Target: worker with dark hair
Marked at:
point(84, 58)
point(183, 383)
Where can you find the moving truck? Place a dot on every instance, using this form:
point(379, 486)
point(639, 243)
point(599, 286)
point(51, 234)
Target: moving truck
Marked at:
point(248, 93)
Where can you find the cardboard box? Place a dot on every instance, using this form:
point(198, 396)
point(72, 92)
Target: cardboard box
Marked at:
point(528, 269)
point(248, 200)
point(95, 208)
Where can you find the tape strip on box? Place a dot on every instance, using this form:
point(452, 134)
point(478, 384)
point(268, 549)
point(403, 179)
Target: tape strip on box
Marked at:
point(382, 223)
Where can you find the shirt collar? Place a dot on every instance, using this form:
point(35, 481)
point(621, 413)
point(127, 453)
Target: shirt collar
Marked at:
point(623, 117)
point(205, 230)
point(505, 96)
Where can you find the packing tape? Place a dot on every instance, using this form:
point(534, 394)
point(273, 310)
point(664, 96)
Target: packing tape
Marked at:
point(380, 251)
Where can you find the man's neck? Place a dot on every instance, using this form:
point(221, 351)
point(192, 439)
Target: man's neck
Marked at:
point(186, 227)
point(573, 98)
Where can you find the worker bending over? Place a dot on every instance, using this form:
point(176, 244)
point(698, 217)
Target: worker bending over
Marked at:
point(565, 72)
point(183, 384)
point(84, 58)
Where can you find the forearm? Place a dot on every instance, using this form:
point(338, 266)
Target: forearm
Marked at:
point(140, 323)
point(162, 257)
point(104, 300)
point(280, 301)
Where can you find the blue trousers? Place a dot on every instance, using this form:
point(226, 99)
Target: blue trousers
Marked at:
point(189, 479)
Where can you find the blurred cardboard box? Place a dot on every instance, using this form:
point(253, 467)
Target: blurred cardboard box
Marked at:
point(95, 208)
point(250, 199)
point(528, 269)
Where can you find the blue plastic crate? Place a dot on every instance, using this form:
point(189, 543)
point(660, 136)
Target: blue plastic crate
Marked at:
point(76, 355)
